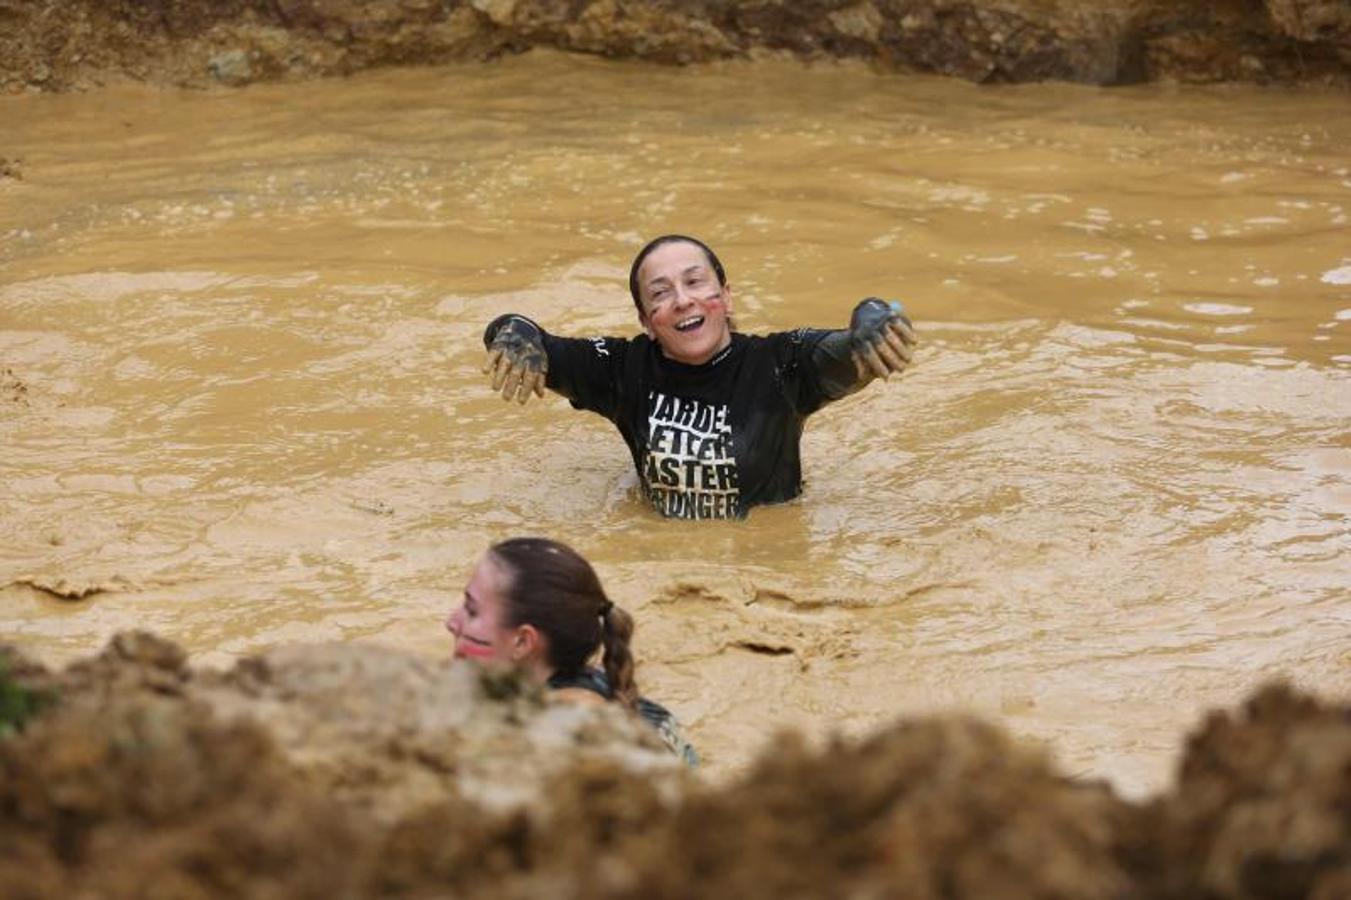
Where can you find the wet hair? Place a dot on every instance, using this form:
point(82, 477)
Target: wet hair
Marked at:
point(554, 589)
point(653, 244)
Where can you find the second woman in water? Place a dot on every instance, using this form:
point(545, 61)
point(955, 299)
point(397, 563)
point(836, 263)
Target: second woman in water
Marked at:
point(538, 605)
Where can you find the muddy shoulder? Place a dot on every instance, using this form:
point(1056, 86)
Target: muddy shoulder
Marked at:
point(358, 771)
point(82, 43)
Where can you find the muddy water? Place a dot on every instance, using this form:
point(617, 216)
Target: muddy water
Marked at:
point(243, 404)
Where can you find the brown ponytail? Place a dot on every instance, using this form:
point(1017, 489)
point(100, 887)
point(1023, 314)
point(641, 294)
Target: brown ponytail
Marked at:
point(618, 661)
point(554, 589)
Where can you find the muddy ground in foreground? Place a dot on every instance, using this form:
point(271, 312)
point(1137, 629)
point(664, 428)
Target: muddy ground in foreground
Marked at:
point(358, 772)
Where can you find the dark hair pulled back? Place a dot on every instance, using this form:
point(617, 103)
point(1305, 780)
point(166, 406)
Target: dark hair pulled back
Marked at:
point(554, 589)
point(643, 254)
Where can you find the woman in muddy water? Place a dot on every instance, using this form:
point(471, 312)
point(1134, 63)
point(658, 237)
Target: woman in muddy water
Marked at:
point(712, 417)
point(538, 605)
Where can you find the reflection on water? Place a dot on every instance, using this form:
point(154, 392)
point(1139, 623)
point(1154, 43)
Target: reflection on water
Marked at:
point(243, 337)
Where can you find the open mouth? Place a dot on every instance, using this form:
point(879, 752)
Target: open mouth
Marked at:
point(690, 324)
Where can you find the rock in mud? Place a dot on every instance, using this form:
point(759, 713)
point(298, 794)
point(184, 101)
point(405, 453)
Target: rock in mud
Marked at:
point(231, 67)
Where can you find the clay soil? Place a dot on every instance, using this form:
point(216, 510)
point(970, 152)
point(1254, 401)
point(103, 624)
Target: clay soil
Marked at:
point(75, 44)
point(140, 777)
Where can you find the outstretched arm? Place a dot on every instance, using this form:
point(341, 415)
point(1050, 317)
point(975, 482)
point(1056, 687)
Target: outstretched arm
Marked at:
point(524, 359)
point(879, 342)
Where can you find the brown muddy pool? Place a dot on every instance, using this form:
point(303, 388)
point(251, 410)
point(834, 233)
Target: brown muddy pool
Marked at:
point(240, 400)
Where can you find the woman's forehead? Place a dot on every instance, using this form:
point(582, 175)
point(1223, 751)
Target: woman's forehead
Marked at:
point(672, 259)
point(488, 576)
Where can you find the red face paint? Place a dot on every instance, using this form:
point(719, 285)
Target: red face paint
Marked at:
point(476, 623)
point(468, 648)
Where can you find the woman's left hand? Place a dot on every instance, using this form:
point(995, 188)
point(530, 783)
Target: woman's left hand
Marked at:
point(881, 339)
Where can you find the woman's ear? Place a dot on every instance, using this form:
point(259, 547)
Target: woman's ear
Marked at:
point(526, 643)
point(647, 328)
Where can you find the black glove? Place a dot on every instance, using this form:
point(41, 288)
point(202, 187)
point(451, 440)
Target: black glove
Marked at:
point(881, 338)
point(517, 363)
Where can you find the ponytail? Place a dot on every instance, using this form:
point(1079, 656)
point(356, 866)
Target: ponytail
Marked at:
point(617, 627)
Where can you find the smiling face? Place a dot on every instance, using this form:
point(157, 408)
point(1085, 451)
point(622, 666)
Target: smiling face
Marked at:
point(479, 623)
point(683, 306)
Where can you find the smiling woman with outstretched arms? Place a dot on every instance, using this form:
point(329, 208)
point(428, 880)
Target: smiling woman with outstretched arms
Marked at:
point(712, 417)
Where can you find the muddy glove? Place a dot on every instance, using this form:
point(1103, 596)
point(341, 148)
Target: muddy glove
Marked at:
point(881, 338)
point(517, 363)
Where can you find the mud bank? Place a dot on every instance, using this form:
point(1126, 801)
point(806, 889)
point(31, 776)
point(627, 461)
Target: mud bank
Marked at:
point(344, 771)
point(78, 44)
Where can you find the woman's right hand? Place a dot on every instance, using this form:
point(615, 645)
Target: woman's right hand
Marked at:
point(517, 364)
point(881, 339)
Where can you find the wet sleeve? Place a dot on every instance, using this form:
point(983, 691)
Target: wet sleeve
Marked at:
point(833, 362)
point(660, 718)
point(584, 370)
point(587, 371)
point(820, 368)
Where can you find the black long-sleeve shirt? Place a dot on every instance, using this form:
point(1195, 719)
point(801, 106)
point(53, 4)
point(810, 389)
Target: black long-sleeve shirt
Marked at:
point(708, 441)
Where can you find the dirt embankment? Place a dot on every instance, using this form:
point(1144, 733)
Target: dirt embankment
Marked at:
point(355, 772)
point(49, 45)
